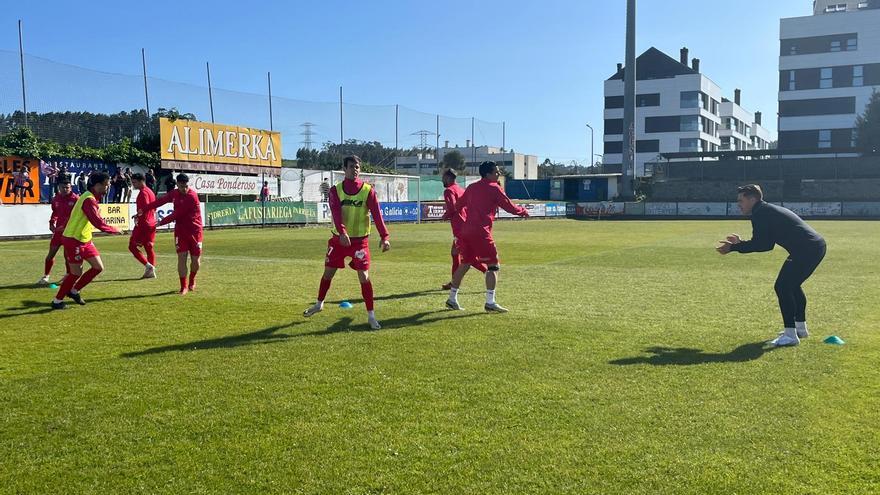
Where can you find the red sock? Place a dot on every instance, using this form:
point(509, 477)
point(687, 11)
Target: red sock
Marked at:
point(137, 254)
point(192, 280)
point(182, 283)
point(86, 278)
point(151, 254)
point(66, 285)
point(325, 286)
point(367, 292)
point(49, 264)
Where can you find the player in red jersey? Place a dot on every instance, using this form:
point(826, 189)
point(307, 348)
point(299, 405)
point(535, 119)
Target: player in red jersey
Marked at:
point(456, 217)
point(62, 205)
point(77, 241)
point(482, 200)
point(352, 202)
point(144, 232)
point(187, 218)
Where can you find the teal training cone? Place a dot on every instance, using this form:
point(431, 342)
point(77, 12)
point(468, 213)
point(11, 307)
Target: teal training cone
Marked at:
point(53, 286)
point(345, 305)
point(834, 340)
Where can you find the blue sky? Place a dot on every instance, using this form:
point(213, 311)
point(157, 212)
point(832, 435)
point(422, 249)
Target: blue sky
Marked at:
point(538, 66)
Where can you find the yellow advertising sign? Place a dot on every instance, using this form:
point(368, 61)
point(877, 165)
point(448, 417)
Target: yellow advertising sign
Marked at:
point(192, 141)
point(116, 215)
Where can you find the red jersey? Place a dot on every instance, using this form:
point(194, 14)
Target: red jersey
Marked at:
point(144, 198)
point(352, 187)
point(93, 213)
point(62, 206)
point(187, 214)
point(482, 200)
point(455, 216)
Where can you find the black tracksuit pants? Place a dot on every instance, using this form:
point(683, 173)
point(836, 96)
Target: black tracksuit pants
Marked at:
point(796, 270)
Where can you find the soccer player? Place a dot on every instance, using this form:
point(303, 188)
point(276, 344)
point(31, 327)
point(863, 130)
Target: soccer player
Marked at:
point(144, 232)
point(62, 205)
point(187, 218)
point(77, 241)
point(482, 200)
point(456, 217)
point(352, 201)
point(773, 225)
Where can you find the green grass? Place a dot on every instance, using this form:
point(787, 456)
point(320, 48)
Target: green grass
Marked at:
point(631, 362)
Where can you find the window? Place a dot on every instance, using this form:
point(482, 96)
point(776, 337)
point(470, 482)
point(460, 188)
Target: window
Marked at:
point(648, 146)
point(648, 100)
point(819, 44)
point(670, 123)
point(819, 106)
point(691, 144)
point(690, 99)
point(853, 142)
point(613, 126)
point(824, 139)
point(725, 143)
point(858, 75)
point(690, 123)
point(613, 102)
point(852, 44)
point(613, 147)
point(715, 105)
point(835, 46)
point(863, 5)
point(792, 84)
point(826, 78)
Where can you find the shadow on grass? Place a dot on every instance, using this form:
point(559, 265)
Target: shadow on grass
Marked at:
point(269, 335)
point(394, 297)
point(683, 356)
point(258, 337)
point(42, 307)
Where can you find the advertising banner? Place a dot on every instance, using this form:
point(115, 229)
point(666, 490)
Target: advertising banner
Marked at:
point(193, 141)
point(570, 209)
point(826, 209)
point(661, 209)
point(800, 209)
point(555, 209)
point(733, 210)
point(116, 215)
point(51, 170)
point(10, 168)
point(860, 209)
point(24, 220)
point(636, 209)
point(400, 212)
point(433, 211)
point(534, 209)
point(702, 209)
point(324, 215)
point(219, 214)
point(603, 208)
point(233, 185)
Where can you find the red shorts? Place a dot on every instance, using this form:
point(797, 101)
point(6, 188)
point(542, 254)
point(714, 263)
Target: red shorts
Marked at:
point(478, 251)
point(359, 252)
point(57, 239)
point(142, 235)
point(76, 252)
point(188, 242)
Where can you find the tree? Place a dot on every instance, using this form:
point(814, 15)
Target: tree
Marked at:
point(868, 127)
point(453, 160)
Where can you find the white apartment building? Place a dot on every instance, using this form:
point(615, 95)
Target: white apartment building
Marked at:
point(829, 65)
point(522, 166)
point(678, 109)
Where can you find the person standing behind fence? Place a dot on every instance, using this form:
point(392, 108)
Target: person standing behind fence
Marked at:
point(126, 191)
point(325, 191)
point(20, 180)
point(264, 192)
point(81, 183)
point(119, 186)
point(150, 179)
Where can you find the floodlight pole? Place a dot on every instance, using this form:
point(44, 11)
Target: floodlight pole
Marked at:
point(629, 104)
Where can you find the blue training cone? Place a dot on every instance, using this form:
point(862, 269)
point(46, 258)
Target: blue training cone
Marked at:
point(345, 305)
point(834, 340)
point(53, 286)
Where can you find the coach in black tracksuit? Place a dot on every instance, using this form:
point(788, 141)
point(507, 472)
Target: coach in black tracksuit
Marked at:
point(773, 225)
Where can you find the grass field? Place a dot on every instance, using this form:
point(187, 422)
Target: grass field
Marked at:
point(632, 361)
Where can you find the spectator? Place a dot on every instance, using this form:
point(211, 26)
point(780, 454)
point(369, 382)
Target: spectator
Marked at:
point(170, 183)
point(126, 186)
point(20, 180)
point(264, 192)
point(81, 183)
point(150, 179)
point(325, 191)
point(63, 176)
point(118, 186)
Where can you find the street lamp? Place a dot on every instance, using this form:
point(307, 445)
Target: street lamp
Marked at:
point(592, 145)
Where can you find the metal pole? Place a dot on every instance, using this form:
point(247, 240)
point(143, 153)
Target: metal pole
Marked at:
point(146, 92)
point(396, 133)
point(503, 136)
point(473, 144)
point(436, 149)
point(210, 91)
point(592, 147)
point(271, 120)
point(21, 57)
point(629, 103)
point(341, 136)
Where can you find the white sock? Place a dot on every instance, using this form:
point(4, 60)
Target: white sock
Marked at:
point(74, 291)
point(490, 297)
point(149, 266)
point(56, 301)
point(453, 294)
point(791, 332)
point(319, 304)
point(371, 315)
point(800, 325)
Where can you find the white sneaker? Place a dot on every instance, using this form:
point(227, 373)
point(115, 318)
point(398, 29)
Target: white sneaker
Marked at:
point(802, 333)
point(495, 308)
point(44, 280)
point(150, 272)
point(788, 338)
point(374, 324)
point(453, 305)
point(313, 310)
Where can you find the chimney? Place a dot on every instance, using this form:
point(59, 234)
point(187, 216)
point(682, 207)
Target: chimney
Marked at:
point(696, 64)
point(758, 118)
point(619, 67)
point(467, 143)
point(684, 56)
point(446, 143)
point(737, 96)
